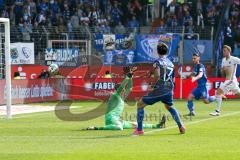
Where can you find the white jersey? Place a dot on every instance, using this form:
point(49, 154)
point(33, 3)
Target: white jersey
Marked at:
point(231, 65)
point(231, 83)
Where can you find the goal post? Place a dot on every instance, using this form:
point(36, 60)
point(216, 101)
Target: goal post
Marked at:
point(6, 59)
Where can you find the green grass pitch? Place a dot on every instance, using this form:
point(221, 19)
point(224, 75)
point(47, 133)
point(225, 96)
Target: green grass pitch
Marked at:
point(42, 136)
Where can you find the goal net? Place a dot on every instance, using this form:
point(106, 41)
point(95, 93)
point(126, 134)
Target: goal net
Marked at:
point(5, 64)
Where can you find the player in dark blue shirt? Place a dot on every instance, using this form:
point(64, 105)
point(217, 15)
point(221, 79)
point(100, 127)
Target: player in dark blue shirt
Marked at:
point(162, 91)
point(200, 92)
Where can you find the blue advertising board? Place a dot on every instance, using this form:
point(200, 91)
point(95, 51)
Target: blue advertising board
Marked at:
point(99, 41)
point(146, 46)
point(202, 47)
point(119, 57)
point(63, 57)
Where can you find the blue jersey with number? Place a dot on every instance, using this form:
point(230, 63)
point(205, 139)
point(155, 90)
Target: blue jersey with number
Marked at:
point(163, 90)
point(166, 67)
point(197, 69)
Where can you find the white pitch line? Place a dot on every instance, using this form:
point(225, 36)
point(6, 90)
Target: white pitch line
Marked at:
point(147, 132)
point(171, 127)
point(31, 114)
point(194, 122)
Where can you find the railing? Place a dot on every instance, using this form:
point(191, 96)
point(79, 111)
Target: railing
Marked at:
point(42, 36)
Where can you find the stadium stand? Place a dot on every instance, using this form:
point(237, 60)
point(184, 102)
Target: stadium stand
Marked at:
point(37, 20)
point(232, 34)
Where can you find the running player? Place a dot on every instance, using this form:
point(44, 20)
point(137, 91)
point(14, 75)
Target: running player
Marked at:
point(200, 92)
point(229, 67)
point(115, 107)
point(162, 91)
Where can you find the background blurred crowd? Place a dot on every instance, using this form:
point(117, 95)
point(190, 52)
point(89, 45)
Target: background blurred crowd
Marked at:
point(115, 15)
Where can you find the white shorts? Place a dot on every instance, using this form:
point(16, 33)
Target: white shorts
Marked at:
point(230, 85)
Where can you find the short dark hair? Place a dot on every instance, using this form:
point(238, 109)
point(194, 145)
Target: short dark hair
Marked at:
point(162, 49)
point(196, 54)
point(107, 72)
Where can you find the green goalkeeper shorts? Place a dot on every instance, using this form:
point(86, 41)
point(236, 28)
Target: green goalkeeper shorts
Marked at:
point(116, 124)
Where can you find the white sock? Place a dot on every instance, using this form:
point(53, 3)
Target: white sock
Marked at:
point(219, 103)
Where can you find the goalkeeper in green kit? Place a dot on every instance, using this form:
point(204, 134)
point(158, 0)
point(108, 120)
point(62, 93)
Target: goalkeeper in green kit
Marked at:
point(115, 107)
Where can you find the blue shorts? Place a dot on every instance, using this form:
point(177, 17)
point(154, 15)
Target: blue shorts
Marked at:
point(200, 92)
point(158, 96)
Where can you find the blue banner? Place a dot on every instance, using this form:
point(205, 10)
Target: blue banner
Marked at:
point(98, 43)
point(119, 57)
point(146, 46)
point(203, 47)
point(63, 57)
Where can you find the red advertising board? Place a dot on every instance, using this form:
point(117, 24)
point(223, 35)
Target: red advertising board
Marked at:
point(37, 90)
point(30, 91)
point(33, 71)
point(212, 85)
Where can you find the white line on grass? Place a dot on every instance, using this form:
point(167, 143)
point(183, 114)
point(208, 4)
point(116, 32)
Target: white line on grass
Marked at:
point(32, 114)
point(163, 129)
point(129, 135)
point(194, 122)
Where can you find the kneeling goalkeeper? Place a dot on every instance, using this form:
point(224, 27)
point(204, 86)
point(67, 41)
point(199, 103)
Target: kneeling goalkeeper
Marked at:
point(115, 107)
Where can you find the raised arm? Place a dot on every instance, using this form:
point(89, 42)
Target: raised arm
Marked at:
point(128, 88)
point(123, 84)
point(127, 83)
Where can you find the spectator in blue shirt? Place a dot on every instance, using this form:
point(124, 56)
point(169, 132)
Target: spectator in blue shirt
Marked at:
point(116, 14)
point(162, 28)
point(187, 20)
point(54, 6)
point(133, 24)
point(43, 6)
point(1, 5)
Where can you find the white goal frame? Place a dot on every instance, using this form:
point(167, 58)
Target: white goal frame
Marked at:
point(6, 23)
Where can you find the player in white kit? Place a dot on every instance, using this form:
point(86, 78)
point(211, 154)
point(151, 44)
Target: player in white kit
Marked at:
point(229, 67)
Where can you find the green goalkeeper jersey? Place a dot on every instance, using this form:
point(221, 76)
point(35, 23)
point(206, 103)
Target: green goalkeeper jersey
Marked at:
point(116, 101)
point(115, 108)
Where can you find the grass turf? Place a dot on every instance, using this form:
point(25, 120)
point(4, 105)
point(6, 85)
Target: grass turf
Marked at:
point(44, 136)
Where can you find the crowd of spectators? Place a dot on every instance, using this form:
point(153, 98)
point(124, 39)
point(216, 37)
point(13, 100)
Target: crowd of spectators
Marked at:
point(232, 29)
point(118, 16)
point(102, 14)
point(191, 14)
